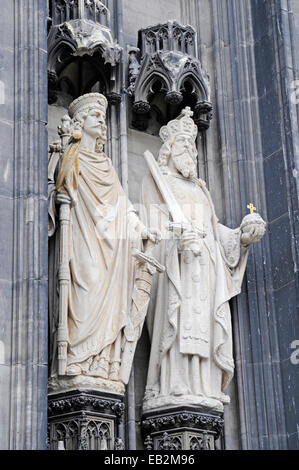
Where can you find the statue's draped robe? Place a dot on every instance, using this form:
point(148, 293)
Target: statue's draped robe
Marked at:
point(103, 226)
point(189, 319)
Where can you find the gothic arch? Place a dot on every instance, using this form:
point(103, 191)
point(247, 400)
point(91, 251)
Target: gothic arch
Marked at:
point(168, 53)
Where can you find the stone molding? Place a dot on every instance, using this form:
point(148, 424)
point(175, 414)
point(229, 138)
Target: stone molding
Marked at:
point(60, 403)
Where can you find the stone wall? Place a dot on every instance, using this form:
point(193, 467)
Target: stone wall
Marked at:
point(23, 213)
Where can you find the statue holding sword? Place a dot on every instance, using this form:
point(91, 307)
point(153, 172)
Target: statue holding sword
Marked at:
point(189, 324)
point(104, 279)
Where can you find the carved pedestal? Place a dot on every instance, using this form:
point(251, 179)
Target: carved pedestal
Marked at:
point(182, 428)
point(85, 420)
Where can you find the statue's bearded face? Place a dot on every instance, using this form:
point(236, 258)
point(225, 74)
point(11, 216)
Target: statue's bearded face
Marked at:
point(95, 125)
point(184, 154)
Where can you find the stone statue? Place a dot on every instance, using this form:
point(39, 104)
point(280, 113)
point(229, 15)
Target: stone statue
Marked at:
point(188, 320)
point(103, 279)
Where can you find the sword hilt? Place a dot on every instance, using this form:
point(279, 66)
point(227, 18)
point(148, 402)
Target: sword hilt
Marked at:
point(145, 258)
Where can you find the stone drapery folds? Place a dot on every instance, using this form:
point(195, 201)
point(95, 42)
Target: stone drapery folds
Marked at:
point(191, 360)
point(102, 300)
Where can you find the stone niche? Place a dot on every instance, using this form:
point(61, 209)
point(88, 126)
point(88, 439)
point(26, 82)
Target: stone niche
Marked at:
point(165, 75)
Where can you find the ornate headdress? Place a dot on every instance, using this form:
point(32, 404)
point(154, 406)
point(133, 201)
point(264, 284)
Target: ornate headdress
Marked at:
point(89, 100)
point(183, 124)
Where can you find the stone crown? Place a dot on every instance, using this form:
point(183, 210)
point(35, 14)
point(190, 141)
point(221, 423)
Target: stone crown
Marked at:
point(183, 124)
point(87, 101)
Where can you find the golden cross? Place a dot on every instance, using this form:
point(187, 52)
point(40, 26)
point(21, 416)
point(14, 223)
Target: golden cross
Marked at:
point(251, 208)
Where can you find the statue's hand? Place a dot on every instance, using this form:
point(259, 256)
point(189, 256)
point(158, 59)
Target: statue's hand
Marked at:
point(190, 241)
point(152, 234)
point(253, 228)
point(63, 198)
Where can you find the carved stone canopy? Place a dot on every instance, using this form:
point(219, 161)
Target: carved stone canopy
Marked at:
point(80, 29)
point(83, 37)
point(65, 10)
point(167, 56)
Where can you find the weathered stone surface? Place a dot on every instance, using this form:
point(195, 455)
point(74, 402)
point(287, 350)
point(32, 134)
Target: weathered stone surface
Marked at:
point(23, 252)
point(83, 419)
point(250, 51)
point(182, 428)
point(94, 331)
point(191, 360)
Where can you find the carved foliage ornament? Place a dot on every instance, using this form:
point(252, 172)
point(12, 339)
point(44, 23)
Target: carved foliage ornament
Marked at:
point(158, 423)
point(65, 405)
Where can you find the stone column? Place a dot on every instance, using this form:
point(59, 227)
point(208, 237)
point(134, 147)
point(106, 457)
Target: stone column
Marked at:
point(23, 229)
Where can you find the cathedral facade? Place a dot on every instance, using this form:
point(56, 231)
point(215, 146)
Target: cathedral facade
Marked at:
point(231, 66)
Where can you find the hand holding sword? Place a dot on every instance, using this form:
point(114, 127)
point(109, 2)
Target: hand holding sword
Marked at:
point(189, 235)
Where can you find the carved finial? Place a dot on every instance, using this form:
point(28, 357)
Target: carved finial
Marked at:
point(118, 444)
point(65, 127)
point(148, 443)
point(251, 208)
point(187, 112)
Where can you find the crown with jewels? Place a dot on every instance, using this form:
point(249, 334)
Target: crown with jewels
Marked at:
point(87, 101)
point(183, 124)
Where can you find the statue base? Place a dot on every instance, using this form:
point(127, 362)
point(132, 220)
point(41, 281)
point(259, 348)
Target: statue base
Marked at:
point(151, 403)
point(65, 382)
point(182, 428)
point(85, 419)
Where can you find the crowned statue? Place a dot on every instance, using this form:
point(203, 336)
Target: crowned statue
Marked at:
point(189, 321)
point(103, 281)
